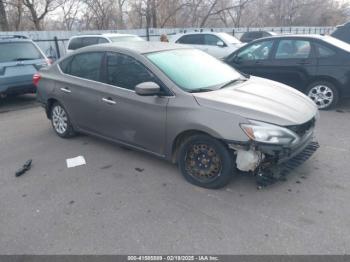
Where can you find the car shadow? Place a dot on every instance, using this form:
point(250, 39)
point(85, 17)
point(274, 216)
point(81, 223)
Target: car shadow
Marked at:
point(344, 106)
point(13, 103)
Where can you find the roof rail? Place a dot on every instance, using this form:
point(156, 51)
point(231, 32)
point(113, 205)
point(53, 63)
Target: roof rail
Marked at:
point(13, 36)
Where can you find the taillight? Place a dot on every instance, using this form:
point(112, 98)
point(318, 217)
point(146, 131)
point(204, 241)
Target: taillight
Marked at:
point(36, 79)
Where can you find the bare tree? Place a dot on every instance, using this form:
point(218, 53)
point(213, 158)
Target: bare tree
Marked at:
point(70, 9)
point(39, 9)
point(4, 26)
point(103, 13)
point(121, 4)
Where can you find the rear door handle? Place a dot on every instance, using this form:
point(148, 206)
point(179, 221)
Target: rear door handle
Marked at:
point(109, 101)
point(66, 90)
point(304, 62)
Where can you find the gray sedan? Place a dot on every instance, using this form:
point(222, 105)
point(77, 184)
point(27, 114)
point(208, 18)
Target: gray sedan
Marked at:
point(183, 105)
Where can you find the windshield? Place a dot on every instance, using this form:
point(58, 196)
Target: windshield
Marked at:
point(193, 69)
point(130, 38)
point(229, 38)
point(15, 51)
point(336, 42)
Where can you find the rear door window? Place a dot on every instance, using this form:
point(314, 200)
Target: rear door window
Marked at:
point(19, 51)
point(211, 40)
point(293, 49)
point(85, 65)
point(87, 41)
point(102, 40)
point(75, 43)
point(323, 51)
point(192, 39)
point(80, 42)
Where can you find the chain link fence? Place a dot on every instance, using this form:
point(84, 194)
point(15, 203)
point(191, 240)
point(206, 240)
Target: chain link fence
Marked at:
point(54, 43)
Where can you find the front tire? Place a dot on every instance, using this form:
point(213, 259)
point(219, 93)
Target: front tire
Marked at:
point(60, 121)
point(206, 162)
point(324, 94)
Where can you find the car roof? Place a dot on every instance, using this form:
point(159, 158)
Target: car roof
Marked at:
point(201, 33)
point(11, 40)
point(134, 47)
point(102, 35)
point(301, 36)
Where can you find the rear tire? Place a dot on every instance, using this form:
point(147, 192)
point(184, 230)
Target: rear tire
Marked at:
point(324, 94)
point(60, 121)
point(205, 161)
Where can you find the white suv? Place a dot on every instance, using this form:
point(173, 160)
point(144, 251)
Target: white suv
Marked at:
point(218, 45)
point(79, 41)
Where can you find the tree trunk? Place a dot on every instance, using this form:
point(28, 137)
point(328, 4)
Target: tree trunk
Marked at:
point(204, 20)
point(19, 8)
point(154, 13)
point(4, 25)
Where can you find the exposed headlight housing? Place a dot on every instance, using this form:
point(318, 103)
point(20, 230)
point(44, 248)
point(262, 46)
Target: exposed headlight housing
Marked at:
point(268, 133)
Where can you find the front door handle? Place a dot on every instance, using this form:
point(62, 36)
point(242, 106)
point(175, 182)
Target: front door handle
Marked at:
point(109, 101)
point(66, 90)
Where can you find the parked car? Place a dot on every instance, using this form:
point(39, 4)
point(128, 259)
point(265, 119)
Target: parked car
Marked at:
point(342, 32)
point(253, 35)
point(79, 41)
point(180, 104)
point(315, 65)
point(20, 58)
point(219, 45)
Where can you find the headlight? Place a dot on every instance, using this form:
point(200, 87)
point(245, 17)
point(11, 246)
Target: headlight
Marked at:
point(268, 133)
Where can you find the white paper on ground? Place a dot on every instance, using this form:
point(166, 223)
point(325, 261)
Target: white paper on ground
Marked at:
point(76, 161)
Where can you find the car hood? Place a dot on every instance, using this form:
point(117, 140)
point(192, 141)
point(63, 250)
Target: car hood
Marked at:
point(263, 100)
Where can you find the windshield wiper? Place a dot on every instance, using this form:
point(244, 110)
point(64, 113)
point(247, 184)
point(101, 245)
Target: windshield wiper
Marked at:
point(23, 59)
point(233, 81)
point(199, 90)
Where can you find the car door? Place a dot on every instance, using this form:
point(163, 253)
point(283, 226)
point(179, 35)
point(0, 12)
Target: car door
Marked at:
point(254, 59)
point(79, 89)
point(128, 117)
point(294, 62)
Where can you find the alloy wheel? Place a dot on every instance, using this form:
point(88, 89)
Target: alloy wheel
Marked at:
point(59, 119)
point(322, 95)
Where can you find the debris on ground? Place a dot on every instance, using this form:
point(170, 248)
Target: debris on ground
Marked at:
point(76, 161)
point(139, 169)
point(27, 165)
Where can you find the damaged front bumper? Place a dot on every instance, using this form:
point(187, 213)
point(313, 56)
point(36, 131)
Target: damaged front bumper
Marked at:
point(271, 163)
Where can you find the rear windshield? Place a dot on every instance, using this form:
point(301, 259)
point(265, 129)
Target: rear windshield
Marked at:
point(18, 52)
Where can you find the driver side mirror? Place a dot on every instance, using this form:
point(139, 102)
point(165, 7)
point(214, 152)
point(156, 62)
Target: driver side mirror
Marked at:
point(220, 44)
point(147, 89)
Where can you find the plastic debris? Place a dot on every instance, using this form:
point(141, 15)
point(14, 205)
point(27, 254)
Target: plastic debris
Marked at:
point(76, 161)
point(27, 165)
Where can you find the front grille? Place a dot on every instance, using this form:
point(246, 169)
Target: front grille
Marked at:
point(303, 128)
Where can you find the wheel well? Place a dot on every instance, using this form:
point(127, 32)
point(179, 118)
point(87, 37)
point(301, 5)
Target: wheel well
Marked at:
point(180, 139)
point(49, 104)
point(326, 79)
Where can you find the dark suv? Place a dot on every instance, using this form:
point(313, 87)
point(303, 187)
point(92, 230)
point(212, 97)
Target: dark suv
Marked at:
point(342, 32)
point(20, 59)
